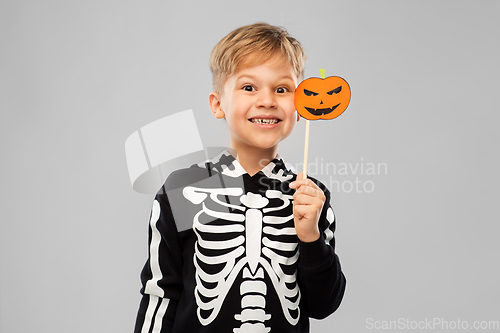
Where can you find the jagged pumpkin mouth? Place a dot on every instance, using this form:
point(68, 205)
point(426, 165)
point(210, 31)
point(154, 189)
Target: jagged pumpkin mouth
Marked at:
point(319, 112)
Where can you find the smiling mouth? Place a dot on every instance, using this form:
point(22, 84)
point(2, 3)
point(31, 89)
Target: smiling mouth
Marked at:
point(319, 112)
point(264, 121)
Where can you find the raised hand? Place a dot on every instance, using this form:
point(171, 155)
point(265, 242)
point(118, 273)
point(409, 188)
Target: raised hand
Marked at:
point(308, 201)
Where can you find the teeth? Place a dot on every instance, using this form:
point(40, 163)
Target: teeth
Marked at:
point(264, 121)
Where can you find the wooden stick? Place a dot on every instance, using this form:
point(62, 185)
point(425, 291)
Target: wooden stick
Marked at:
point(306, 148)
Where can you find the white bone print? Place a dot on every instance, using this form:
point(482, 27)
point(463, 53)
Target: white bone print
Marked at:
point(246, 245)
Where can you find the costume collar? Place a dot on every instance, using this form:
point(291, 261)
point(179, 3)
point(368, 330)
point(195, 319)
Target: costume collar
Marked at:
point(226, 164)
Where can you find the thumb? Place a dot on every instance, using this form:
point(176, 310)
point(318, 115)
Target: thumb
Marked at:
point(300, 175)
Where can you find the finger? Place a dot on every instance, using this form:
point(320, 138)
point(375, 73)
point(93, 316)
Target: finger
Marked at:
point(300, 182)
point(308, 200)
point(298, 178)
point(311, 191)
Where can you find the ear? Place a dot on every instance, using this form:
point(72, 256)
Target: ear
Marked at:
point(298, 117)
point(215, 105)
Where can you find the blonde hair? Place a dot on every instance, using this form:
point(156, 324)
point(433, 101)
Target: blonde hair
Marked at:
point(254, 44)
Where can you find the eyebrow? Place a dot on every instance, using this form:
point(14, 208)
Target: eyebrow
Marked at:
point(249, 76)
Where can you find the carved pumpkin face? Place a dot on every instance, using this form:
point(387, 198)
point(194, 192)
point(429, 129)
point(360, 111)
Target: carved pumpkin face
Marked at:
point(317, 98)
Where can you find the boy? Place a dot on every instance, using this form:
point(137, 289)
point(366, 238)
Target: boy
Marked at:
point(258, 255)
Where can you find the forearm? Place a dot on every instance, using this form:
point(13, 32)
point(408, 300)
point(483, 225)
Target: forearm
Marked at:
point(321, 278)
point(161, 277)
point(156, 314)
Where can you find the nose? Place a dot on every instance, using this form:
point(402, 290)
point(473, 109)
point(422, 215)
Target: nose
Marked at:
point(266, 99)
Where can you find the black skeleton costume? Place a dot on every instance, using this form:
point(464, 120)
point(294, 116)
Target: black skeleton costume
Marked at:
point(224, 255)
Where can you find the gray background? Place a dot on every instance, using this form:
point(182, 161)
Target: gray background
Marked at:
point(77, 78)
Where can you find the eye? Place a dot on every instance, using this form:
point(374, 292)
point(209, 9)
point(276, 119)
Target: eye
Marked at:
point(281, 90)
point(336, 91)
point(248, 88)
point(310, 93)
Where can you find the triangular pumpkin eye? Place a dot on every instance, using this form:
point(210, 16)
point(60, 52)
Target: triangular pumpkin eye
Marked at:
point(310, 93)
point(336, 91)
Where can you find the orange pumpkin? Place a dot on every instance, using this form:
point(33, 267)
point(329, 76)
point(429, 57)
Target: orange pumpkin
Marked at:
point(317, 98)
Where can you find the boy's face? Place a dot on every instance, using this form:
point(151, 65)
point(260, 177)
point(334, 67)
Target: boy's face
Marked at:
point(255, 93)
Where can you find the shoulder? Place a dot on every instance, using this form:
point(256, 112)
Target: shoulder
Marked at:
point(181, 178)
point(187, 176)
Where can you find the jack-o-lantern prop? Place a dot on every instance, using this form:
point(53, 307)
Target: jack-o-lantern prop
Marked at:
point(317, 98)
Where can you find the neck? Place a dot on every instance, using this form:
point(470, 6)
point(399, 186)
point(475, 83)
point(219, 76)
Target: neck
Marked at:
point(254, 159)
